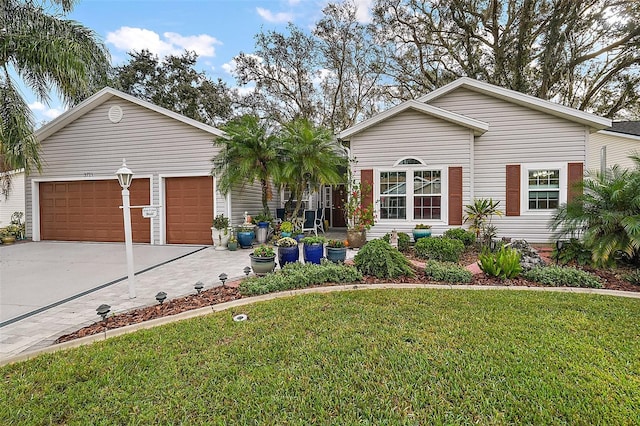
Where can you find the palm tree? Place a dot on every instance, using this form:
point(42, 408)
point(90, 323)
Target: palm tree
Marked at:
point(48, 54)
point(606, 216)
point(313, 158)
point(249, 153)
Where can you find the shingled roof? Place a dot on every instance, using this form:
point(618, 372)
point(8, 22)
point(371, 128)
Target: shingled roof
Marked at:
point(627, 127)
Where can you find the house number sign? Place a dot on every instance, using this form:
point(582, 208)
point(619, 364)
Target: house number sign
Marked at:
point(149, 212)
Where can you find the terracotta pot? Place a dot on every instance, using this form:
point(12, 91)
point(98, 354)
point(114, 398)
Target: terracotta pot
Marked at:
point(356, 238)
point(8, 239)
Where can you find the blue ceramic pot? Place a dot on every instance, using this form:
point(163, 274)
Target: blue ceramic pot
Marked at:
point(288, 255)
point(313, 253)
point(245, 238)
point(337, 254)
point(421, 233)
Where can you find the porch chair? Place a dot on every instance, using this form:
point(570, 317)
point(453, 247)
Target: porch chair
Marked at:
point(319, 223)
point(310, 221)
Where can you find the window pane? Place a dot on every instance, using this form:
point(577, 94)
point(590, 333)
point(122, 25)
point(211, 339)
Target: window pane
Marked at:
point(426, 182)
point(426, 207)
point(543, 199)
point(544, 179)
point(393, 183)
point(393, 207)
point(410, 161)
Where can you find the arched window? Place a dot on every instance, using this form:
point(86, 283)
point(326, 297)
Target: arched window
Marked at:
point(409, 161)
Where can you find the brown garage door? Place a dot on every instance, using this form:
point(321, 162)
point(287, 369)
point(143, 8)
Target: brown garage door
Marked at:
point(189, 206)
point(89, 210)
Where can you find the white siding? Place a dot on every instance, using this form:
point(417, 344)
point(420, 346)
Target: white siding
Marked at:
point(92, 147)
point(14, 202)
point(413, 134)
point(618, 150)
point(249, 199)
point(516, 135)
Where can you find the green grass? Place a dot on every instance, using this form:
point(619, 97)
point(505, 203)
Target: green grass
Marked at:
point(366, 357)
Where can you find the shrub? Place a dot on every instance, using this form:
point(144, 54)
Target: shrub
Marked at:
point(336, 244)
point(263, 251)
point(446, 271)
point(633, 277)
point(504, 264)
point(573, 251)
point(300, 275)
point(314, 240)
point(286, 242)
point(437, 248)
point(563, 276)
point(460, 234)
point(379, 259)
point(404, 241)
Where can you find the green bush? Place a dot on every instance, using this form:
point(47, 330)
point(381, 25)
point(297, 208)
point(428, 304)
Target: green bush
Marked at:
point(504, 264)
point(404, 241)
point(467, 237)
point(633, 277)
point(573, 251)
point(379, 259)
point(437, 248)
point(447, 271)
point(562, 276)
point(300, 275)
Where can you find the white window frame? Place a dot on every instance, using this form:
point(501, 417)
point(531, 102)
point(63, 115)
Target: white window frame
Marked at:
point(409, 170)
point(524, 186)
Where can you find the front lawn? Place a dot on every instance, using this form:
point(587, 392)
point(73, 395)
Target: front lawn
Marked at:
point(373, 357)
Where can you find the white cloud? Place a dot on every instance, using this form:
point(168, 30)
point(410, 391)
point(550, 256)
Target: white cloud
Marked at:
point(277, 18)
point(128, 39)
point(322, 75)
point(363, 10)
point(43, 112)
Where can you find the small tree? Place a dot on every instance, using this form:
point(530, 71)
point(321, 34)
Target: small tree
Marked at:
point(479, 214)
point(249, 153)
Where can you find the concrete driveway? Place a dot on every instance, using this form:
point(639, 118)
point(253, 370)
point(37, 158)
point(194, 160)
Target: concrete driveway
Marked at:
point(34, 275)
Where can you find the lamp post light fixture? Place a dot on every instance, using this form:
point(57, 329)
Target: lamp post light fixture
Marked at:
point(125, 176)
point(492, 244)
point(199, 286)
point(161, 296)
point(223, 277)
point(103, 310)
point(559, 245)
point(247, 270)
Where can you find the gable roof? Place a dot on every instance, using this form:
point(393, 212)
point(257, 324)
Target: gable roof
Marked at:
point(478, 127)
point(104, 95)
point(594, 121)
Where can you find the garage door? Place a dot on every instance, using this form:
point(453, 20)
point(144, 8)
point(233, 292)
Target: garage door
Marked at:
point(89, 211)
point(189, 207)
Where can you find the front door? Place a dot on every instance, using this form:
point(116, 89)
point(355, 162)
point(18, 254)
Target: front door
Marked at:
point(337, 211)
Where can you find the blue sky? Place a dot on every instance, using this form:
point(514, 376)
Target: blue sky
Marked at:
point(216, 29)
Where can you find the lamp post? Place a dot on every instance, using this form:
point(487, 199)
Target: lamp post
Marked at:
point(125, 176)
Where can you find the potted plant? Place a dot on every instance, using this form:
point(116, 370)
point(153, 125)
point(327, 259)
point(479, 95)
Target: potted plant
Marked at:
point(263, 220)
point(336, 251)
point(232, 245)
point(286, 228)
point(220, 232)
point(421, 231)
point(313, 249)
point(360, 217)
point(288, 251)
point(245, 235)
point(263, 260)
point(9, 234)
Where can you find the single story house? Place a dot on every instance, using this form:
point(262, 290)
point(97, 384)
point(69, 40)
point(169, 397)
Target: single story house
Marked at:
point(13, 201)
point(614, 145)
point(77, 196)
point(427, 158)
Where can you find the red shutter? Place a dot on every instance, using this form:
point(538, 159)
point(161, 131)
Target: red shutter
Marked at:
point(575, 173)
point(513, 190)
point(366, 181)
point(455, 195)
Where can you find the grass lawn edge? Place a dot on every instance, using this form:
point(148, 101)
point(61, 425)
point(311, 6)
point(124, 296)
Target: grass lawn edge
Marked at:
point(290, 293)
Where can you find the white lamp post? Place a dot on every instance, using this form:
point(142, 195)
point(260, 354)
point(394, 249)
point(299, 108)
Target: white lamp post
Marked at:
point(125, 176)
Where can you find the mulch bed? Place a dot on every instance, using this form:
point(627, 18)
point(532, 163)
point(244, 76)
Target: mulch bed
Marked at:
point(611, 279)
point(209, 297)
